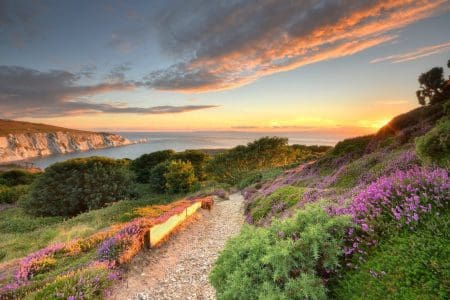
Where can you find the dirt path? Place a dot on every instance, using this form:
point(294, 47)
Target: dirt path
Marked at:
point(179, 268)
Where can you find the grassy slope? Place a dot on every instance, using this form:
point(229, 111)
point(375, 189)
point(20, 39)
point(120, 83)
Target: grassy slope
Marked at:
point(15, 127)
point(21, 234)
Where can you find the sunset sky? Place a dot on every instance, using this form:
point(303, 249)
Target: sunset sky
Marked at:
point(325, 66)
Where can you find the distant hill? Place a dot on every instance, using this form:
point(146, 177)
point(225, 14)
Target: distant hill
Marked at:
point(24, 140)
point(17, 127)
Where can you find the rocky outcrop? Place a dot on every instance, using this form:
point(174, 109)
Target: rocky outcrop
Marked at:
point(19, 146)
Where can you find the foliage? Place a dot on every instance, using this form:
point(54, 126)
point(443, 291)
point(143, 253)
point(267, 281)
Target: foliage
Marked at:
point(143, 165)
point(17, 177)
point(395, 201)
point(157, 179)
point(305, 153)
point(49, 272)
point(180, 177)
point(284, 261)
point(434, 147)
point(21, 233)
point(197, 158)
point(12, 194)
point(411, 264)
point(433, 87)
point(264, 208)
point(268, 152)
point(351, 147)
point(258, 176)
point(73, 186)
point(87, 283)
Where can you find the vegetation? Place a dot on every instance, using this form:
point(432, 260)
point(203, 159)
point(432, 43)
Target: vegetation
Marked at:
point(281, 199)
point(158, 181)
point(12, 194)
point(143, 165)
point(266, 153)
point(284, 261)
point(407, 265)
point(16, 127)
point(22, 233)
point(17, 177)
point(77, 185)
point(434, 88)
point(180, 177)
point(434, 147)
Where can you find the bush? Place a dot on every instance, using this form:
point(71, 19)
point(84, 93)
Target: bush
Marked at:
point(143, 165)
point(157, 180)
point(197, 158)
point(17, 177)
point(233, 165)
point(434, 147)
point(288, 260)
point(12, 194)
point(407, 265)
point(77, 185)
point(354, 147)
point(270, 206)
point(180, 177)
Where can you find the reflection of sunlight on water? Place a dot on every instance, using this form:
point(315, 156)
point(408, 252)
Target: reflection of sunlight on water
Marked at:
point(180, 141)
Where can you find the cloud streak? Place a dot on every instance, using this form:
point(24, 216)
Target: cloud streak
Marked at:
point(30, 93)
point(416, 54)
point(236, 42)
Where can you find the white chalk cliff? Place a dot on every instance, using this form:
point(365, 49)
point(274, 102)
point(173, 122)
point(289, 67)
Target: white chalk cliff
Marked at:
point(19, 146)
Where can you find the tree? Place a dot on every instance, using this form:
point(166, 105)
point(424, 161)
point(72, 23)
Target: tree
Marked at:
point(433, 86)
point(197, 158)
point(76, 185)
point(143, 165)
point(180, 177)
point(157, 179)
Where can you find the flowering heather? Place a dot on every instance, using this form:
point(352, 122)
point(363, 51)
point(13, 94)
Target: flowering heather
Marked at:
point(401, 198)
point(116, 245)
point(30, 264)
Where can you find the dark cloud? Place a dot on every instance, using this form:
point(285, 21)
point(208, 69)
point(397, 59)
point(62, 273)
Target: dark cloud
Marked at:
point(230, 43)
point(18, 21)
point(117, 73)
point(30, 93)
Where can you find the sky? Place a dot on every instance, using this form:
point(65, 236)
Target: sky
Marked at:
point(319, 66)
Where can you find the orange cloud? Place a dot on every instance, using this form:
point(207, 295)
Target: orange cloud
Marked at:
point(248, 42)
point(416, 54)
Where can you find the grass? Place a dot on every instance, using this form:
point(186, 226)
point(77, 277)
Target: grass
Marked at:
point(408, 265)
point(282, 199)
point(21, 233)
point(17, 127)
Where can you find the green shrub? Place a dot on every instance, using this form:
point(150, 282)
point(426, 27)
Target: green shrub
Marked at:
point(197, 158)
point(143, 165)
point(17, 177)
point(233, 165)
point(77, 185)
point(280, 200)
point(249, 179)
point(408, 265)
point(434, 147)
point(354, 146)
point(12, 194)
point(180, 177)
point(284, 261)
point(157, 180)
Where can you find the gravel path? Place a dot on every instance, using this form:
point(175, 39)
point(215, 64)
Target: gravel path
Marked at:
point(179, 268)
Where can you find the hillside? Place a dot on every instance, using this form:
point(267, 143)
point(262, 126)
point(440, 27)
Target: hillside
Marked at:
point(20, 127)
point(24, 140)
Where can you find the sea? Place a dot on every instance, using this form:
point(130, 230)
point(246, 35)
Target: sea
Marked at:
point(180, 141)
